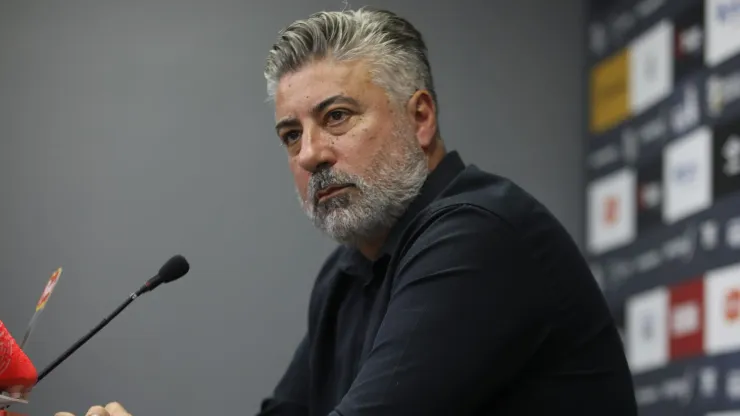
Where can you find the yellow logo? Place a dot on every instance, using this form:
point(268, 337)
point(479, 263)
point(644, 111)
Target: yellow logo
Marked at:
point(609, 92)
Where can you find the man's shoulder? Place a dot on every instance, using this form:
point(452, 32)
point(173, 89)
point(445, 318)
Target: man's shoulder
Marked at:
point(505, 202)
point(478, 207)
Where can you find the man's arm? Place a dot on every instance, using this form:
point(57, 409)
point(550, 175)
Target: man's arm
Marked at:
point(467, 313)
point(290, 397)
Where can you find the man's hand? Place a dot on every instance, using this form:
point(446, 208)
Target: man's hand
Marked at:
point(111, 409)
point(17, 392)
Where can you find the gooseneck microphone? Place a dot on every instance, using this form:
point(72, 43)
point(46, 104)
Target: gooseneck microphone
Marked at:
point(173, 269)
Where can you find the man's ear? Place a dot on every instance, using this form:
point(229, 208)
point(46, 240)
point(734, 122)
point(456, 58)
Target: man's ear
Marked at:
point(422, 111)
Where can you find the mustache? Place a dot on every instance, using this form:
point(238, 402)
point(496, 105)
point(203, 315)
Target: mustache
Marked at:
point(327, 177)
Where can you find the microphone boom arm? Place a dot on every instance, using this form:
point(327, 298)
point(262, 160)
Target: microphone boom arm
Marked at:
point(84, 339)
point(176, 267)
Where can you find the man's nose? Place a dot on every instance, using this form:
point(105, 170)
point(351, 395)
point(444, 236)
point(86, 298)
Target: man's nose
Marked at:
point(316, 151)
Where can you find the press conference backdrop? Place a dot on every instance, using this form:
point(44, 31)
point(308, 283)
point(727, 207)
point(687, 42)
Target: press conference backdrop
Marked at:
point(663, 194)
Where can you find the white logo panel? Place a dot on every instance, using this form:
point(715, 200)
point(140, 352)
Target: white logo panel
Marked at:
point(651, 67)
point(612, 211)
point(687, 175)
point(722, 22)
point(647, 330)
point(722, 304)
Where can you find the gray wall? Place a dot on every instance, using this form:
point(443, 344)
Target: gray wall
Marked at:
point(134, 130)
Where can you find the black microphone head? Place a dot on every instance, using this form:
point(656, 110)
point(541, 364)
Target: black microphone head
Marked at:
point(175, 268)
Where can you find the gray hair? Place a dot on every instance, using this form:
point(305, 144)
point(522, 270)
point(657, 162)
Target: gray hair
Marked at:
point(392, 45)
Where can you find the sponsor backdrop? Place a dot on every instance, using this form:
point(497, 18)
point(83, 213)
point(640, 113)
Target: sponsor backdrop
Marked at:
point(663, 194)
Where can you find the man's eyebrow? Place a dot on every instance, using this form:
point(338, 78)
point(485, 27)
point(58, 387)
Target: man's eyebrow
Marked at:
point(318, 108)
point(336, 99)
point(287, 122)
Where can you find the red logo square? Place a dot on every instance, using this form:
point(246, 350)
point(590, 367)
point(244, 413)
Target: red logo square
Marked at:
point(611, 210)
point(686, 319)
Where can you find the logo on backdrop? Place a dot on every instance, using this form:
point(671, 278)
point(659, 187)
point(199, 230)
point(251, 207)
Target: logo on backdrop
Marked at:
point(678, 249)
point(688, 41)
point(709, 234)
point(708, 381)
point(603, 157)
point(726, 158)
point(686, 114)
point(722, 308)
point(650, 194)
point(678, 390)
point(611, 211)
point(630, 145)
point(651, 67)
point(722, 91)
point(732, 233)
point(730, 151)
point(688, 175)
point(732, 305)
point(732, 384)
point(722, 31)
point(686, 320)
point(608, 89)
point(647, 330)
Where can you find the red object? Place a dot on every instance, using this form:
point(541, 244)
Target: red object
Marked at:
point(611, 210)
point(686, 319)
point(732, 305)
point(16, 369)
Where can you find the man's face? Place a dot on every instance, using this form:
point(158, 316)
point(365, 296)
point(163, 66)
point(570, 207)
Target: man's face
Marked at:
point(353, 153)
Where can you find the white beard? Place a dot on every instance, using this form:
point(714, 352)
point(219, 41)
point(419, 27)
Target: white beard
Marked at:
point(392, 182)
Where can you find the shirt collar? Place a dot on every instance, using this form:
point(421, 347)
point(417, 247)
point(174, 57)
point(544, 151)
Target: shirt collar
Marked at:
point(446, 171)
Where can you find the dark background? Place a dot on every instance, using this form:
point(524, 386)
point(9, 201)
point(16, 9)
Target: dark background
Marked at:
point(671, 256)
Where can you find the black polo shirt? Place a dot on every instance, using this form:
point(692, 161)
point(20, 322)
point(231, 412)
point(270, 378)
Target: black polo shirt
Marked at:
point(481, 304)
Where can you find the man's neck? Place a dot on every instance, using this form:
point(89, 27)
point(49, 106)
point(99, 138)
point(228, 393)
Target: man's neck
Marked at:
point(371, 248)
point(436, 153)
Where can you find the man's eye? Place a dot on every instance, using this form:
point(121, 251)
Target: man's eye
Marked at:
point(290, 137)
point(336, 115)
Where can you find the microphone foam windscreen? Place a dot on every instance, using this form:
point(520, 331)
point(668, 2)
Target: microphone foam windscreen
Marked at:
point(16, 369)
point(175, 268)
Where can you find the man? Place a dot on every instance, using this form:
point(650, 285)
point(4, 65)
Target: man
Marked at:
point(453, 291)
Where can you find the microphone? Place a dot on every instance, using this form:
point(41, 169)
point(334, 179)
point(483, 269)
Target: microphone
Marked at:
point(173, 269)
